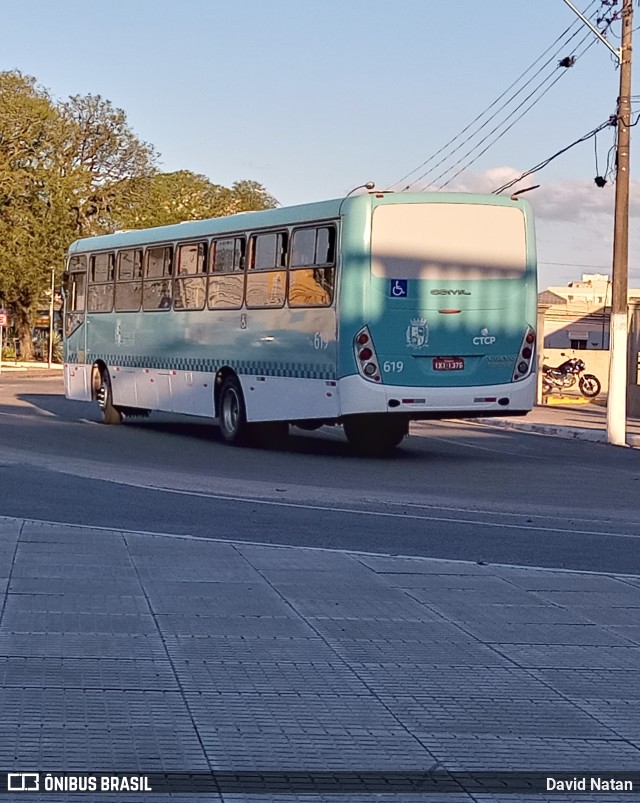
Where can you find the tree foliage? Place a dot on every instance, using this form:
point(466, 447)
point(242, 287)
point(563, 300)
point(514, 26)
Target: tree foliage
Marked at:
point(73, 169)
point(165, 198)
point(103, 158)
point(33, 224)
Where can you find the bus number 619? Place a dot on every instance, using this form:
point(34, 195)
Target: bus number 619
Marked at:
point(393, 366)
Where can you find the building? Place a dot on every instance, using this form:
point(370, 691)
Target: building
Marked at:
point(576, 316)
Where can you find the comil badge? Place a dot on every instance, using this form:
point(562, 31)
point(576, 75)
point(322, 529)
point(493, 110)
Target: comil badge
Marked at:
point(417, 333)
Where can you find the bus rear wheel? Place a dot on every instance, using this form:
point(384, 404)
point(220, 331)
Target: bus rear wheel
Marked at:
point(375, 435)
point(232, 412)
point(110, 415)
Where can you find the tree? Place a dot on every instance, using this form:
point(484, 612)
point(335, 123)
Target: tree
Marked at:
point(76, 169)
point(249, 196)
point(103, 160)
point(62, 167)
point(166, 198)
point(33, 227)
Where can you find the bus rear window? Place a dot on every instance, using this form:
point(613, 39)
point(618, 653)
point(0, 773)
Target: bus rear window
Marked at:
point(440, 241)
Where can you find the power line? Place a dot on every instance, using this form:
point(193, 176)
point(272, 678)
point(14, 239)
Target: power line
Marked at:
point(508, 128)
point(610, 122)
point(491, 105)
point(493, 131)
point(566, 62)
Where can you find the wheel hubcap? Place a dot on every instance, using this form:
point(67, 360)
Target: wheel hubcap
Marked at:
point(230, 411)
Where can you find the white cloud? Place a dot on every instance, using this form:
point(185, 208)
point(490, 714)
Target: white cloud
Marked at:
point(569, 201)
point(574, 222)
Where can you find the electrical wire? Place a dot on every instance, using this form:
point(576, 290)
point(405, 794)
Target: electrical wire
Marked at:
point(611, 121)
point(498, 99)
point(540, 86)
point(493, 142)
point(508, 128)
point(499, 126)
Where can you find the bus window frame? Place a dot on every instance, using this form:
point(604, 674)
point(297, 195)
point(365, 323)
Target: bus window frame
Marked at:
point(69, 282)
point(331, 264)
point(281, 253)
point(241, 270)
point(92, 283)
point(178, 277)
point(120, 282)
point(148, 280)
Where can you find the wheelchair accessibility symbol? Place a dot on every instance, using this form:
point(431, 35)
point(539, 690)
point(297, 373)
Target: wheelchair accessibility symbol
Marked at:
point(398, 288)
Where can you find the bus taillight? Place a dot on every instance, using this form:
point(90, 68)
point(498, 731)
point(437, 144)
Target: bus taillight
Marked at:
point(525, 357)
point(366, 357)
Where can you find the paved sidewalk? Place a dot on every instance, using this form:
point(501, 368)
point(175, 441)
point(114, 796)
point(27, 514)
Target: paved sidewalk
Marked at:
point(30, 367)
point(570, 420)
point(137, 652)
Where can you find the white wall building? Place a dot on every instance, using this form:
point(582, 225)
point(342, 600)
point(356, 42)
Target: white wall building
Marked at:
point(576, 316)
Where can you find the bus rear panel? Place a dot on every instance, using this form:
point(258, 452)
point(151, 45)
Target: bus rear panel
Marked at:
point(448, 307)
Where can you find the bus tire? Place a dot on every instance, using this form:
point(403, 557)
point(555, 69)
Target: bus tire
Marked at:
point(375, 435)
point(110, 415)
point(232, 413)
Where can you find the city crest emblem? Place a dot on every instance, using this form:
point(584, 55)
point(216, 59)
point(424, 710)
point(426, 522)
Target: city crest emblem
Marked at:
point(417, 333)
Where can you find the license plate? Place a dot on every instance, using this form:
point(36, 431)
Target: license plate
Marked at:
point(448, 364)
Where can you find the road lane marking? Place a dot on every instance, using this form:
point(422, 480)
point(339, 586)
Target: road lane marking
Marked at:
point(480, 510)
point(382, 514)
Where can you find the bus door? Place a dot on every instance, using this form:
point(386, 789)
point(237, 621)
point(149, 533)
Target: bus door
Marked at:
point(77, 376)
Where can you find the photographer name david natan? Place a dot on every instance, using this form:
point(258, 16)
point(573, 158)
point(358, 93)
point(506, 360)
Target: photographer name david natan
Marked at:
point(588, 784)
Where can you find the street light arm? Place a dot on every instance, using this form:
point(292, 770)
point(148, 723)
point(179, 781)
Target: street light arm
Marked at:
point(616, 52)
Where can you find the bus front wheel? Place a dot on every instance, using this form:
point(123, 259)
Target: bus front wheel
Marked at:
point(110, 414)
point(375, 435)
point(232, 412)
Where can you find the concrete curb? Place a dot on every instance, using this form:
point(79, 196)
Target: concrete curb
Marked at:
point(29, 366)
point(558, 431)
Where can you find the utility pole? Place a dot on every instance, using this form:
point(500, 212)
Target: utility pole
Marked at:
point(53, 289)
point(618, 325)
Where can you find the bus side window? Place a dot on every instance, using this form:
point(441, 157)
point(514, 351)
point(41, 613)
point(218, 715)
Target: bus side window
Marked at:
point(190, 281)
point(312, 267)
point(226, 274)
point(267, 275)
point(76, 284)
point(75, 288)
point(129, 280)
point(101, 283)
point(156, 286)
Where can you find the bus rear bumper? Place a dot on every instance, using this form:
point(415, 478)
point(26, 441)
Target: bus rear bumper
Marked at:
point(358, 395)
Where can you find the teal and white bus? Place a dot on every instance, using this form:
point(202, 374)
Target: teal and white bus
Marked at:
point(368, 312)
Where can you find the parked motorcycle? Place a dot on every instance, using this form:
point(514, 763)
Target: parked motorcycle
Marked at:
point(564, 376)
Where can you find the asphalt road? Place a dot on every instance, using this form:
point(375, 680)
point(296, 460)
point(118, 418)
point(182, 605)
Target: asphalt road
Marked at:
point(453, 490)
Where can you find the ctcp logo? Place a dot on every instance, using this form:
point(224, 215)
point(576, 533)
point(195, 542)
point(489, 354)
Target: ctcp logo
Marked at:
point(484, 338)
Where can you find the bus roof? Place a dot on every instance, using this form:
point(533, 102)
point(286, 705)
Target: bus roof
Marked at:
point(251, 221)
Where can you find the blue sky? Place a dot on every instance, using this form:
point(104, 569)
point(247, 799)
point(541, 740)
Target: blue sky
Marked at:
point(313, 99)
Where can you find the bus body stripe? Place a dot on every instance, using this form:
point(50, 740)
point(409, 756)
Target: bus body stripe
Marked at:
point(245, 367)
